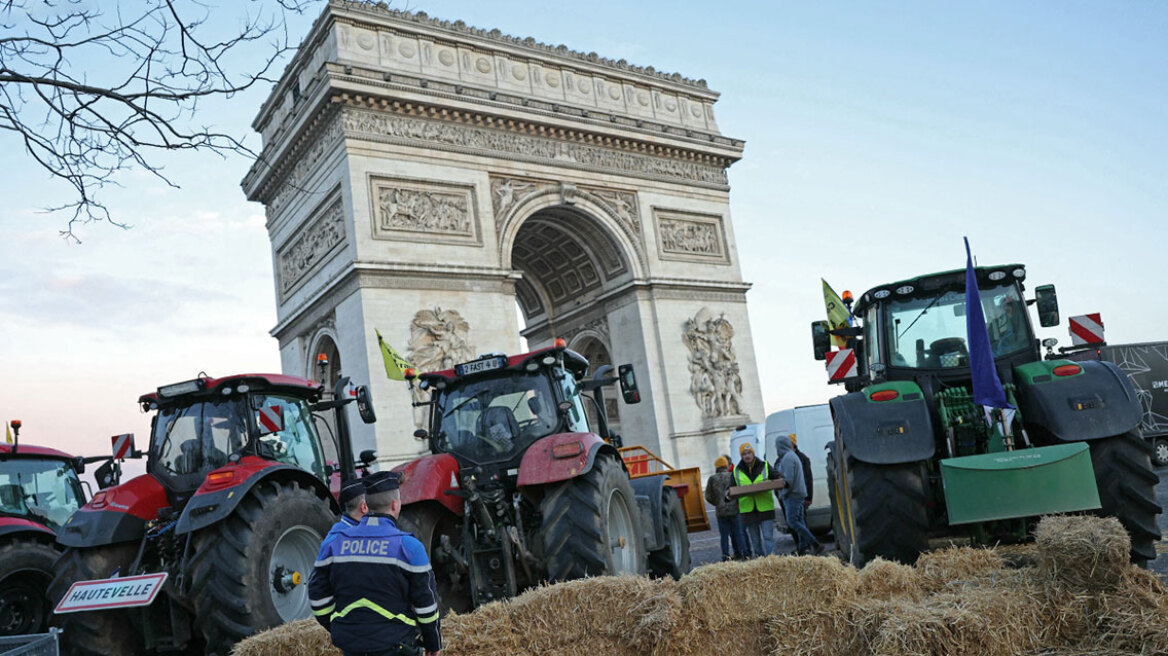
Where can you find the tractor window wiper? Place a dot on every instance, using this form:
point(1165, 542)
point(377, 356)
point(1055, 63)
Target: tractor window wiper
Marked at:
point(918, 317)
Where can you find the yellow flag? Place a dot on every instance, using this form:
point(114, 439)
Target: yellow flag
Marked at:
point(7, 433)
point(395, 365)
point(838, 315)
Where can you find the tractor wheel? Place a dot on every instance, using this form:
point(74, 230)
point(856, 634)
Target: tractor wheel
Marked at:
point(673, 558)
point(842, 542)
point(428, 523)
point(250, 571)
point(94, 633)
point(885, 510)
point(591, 525)
point(26, 568)
point(1127, 489)
point(1160, 452)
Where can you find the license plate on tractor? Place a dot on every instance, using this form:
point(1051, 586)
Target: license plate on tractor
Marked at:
point(479, 366)
point(118, 592)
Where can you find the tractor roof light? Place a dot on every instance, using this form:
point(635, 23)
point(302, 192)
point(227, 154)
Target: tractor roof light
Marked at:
point(410, 373)
point(559, 343)
point(1020, 274)
point(1067, 370)
point(178, 389)
point(885, 395)
point(532, 366)
point(881, 293)
point(997, 275)
point(905, 289)
point(322, 359)
point(847, 297)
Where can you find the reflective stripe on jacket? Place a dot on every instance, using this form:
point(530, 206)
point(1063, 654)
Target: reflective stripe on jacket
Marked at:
point(373, 587)
point(761, 501)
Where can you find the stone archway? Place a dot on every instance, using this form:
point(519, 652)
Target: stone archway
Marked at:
point(324, 362)
point(420, 177)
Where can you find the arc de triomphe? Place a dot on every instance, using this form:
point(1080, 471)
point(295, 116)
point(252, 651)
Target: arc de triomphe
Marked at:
point(421, 177)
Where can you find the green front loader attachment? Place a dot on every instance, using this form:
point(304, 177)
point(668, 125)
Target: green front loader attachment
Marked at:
point(1022, 483)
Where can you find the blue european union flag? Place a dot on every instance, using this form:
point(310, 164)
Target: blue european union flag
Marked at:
point(987, 387)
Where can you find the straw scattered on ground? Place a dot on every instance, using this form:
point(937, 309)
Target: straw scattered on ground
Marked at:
point(1072, 593)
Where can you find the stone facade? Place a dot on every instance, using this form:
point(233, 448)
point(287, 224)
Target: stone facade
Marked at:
point(422, 177)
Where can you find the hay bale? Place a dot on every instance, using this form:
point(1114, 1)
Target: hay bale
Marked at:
point(1082, 552)
point(759, 605)
point(580, 615)
point(485, 632)
point(885, 580)
point(299, 638)
point(956, 566)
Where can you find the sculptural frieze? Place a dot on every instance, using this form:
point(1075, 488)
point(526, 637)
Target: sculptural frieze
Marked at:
point(439, 339)
point(715, 382)
point(690, 235)
point(417, 210)
point(316, 240)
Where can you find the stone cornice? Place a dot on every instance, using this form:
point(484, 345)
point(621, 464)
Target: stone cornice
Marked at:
point(459, 30)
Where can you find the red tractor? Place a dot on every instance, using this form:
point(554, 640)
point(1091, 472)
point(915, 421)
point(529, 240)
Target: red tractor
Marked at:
point(39, 490)
point(521, 488)
point(217, 540)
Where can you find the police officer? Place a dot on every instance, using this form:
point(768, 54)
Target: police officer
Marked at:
point(353, 508)
point(373, 586)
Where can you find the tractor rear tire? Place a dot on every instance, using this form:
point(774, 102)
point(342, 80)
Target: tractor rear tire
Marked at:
point(1127, 489)
point(429, 522)
point(842, 542)
point(240, 563)
point(672, 559)
point(888, 510)
point(591, 525)
point(94, 633)
point(26, 568)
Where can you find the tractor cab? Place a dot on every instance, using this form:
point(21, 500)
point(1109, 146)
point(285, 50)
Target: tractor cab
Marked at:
point(38, 484)
point(915, 329)
point(490, 410)
point(204, 424)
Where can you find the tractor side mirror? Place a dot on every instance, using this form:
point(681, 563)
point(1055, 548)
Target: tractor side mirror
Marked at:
point(108, 474)
point(421, 434)
point(820, 339)
point(365, 405)
point(79, 465)
point(367, 457)
point(1048, 312)
point(628, 383)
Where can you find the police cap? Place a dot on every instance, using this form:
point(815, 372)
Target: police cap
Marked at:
point(350, 491)
point(382, 482)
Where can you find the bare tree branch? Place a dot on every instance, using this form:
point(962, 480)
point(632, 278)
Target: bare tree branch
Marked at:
point(90, 89)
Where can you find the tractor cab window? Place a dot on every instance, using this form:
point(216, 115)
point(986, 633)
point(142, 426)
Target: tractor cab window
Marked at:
point(494, 419)
point(929, 332)
point(576, 417)
point(191, 440)
point(45, 491)
point(297, 444)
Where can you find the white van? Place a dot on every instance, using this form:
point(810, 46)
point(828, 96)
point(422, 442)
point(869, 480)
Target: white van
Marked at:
point(813, 430)
point(754, 434)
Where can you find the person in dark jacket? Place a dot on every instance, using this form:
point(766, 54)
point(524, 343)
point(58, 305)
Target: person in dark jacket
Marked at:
point(726, 510)
point(353, 508)
point(794, 493)
point(374, 589)
point(806, 479)
point(757, 510)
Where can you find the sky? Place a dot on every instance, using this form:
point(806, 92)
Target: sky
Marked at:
point(877, 135)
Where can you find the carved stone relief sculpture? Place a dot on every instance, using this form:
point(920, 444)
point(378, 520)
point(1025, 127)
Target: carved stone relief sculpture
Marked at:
point(714, 380)
point(314, 242)
point(414, 210)
point(438, 340)
point(687, 236)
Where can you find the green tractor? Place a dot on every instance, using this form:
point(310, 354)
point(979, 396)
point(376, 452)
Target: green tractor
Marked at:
point(914, 458)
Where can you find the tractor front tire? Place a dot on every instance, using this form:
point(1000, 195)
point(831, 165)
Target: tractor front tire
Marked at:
point(841, 539)
point(94, 633)
point(1127, 489)
point(672, 559)
point(591, 525)
point(26, 568)
point(429, 522)
point(244, 569)
point(885, 510)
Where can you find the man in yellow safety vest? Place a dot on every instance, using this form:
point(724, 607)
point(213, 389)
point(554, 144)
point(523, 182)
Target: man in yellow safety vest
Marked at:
point(757, 510)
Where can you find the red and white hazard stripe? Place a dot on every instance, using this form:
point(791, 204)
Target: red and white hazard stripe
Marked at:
point(1086, 329)
point(123, 445)
point(271, 418)
point(841, 364)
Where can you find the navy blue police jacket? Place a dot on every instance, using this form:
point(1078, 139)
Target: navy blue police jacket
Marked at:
point(344, 523)
point(373, 588)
